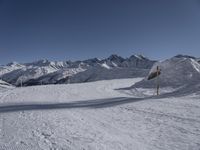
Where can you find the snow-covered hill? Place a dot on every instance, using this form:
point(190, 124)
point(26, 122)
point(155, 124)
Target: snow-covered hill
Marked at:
point(99, 73)
point(10, 67)
point(53, 72)
point(175, 72)
point(180, 75)
point(95, 116)
point(4, 84)
point(27, 71)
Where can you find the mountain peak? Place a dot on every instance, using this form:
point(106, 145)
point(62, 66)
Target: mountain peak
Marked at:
point(44, 61)
point(41, 62)
point(94, 60)
point(138, 57)
point(13, 63)
point(115, 57)
point(184, 56)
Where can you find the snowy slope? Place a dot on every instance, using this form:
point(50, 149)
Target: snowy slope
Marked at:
point(175, 72)
point(57, 77)
point(72, 92)
point(99, 73)
point(10, 67)
point(95, 116)
point(31, 71)
point(4, 84)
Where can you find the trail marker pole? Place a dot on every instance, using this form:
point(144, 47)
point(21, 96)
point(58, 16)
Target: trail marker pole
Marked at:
point(21, 82)
point(153, 75)
point(157, 81)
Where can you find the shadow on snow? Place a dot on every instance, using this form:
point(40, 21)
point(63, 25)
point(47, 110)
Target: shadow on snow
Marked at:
point(99, 103)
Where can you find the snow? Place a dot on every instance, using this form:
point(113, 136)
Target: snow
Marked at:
point(48, 71)
point(176, 72)
point(138, 56)
point(105, 66)
point(4, 86)
point(96, 116)
point(196, 65)
point(10, 67)
point(73, 92)
point(114, 64)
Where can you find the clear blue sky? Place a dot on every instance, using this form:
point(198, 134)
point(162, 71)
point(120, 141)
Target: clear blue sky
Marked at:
point(80, 29)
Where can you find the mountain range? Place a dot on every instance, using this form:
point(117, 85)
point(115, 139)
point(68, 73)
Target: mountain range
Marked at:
point(58, 72)
point(177, 71)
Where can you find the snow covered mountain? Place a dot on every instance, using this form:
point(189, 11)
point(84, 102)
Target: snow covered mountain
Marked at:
point(4, 85)
point(53, 72)
point(10, 67)
point(29, 71)
point(177, 72)
point(100, 73)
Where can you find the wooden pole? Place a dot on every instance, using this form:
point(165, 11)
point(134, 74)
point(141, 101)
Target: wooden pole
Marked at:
point(21, 82)
point(157, 81)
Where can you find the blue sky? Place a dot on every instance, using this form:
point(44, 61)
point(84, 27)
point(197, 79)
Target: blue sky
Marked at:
point(81, 29)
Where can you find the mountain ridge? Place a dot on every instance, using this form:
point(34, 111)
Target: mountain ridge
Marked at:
point(113, 67)
point(53, 72)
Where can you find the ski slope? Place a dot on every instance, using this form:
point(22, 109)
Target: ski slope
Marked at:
point(96, 116)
